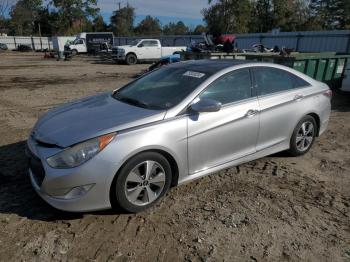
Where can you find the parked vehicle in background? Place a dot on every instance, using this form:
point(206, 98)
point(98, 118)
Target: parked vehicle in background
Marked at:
point(144, 50)
point(165, 61)
point(91, 42)
point(171, 126)
point(3, 46)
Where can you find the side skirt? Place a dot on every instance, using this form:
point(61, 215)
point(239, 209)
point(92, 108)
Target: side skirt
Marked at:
point(265, 152)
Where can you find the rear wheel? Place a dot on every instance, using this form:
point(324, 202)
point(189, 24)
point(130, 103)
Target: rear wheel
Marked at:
point(141, 182)
point(131, 59)
point(303, 136)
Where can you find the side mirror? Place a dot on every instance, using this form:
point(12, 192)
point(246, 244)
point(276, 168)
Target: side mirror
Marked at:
point(140, 45)
point(206, 105)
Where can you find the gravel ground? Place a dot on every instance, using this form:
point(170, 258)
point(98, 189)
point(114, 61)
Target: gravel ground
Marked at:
point(276, 208)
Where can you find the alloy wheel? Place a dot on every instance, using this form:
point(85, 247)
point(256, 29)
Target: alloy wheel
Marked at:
point(305, 136)
point(145, 183)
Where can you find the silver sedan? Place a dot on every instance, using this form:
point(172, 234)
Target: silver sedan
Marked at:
point(171, 126)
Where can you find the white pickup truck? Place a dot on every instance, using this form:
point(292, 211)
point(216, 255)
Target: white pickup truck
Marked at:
point(144, 50)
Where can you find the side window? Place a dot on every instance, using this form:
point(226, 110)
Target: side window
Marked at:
point(272, 80)
point(148, 43)
point(143, 43)
point(80, 42)
point(230, 88)
point(153, 43)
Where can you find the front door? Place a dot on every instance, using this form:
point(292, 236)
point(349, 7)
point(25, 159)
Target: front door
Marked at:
point(215, 138)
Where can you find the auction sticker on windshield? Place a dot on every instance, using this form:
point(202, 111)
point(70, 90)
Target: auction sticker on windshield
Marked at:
point(194, 74)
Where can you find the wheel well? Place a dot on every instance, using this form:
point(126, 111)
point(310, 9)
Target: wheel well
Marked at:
point(131, 53)
point(169, 157)
point(173, 165)
point(318, 121)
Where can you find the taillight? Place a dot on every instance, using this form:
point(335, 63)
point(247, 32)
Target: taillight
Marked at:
point(328, 93)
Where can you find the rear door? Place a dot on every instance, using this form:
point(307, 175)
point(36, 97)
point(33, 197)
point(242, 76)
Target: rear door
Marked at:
point(281, 103)
point(215, 138)
point(150, 50)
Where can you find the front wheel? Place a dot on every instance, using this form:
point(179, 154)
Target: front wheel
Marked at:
point(141, 182)
point(131, 59)
point(74, 52)
point(303, 136)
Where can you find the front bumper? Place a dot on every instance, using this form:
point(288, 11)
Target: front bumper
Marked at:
point(57, 184)
point(118, 56)
point(86, 202)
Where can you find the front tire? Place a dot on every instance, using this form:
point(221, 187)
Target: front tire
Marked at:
point(141, 182)
point(131, 59)
point(74, 52)
point(303, 136)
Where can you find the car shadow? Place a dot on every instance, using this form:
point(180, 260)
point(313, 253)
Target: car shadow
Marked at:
point(341, 101)
point(17, 195)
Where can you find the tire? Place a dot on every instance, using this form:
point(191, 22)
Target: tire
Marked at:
point(131, 191)
point(74, 52)
point(131, 59)
point(303, 136)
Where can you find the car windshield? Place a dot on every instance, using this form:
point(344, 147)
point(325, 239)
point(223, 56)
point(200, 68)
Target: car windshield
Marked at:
point(161, 89)
point(134, 42)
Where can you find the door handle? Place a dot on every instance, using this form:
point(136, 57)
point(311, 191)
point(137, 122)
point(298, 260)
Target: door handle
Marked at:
point(298, 97)
point(251, 113)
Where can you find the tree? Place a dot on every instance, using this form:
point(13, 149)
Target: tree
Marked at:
point(149, 26)
point(199, 29)
point(99, 24)
point(178, 28)
point(228, 16)
point(24, 14)
point(332, 14)
point(122, 21)
point(75, 15)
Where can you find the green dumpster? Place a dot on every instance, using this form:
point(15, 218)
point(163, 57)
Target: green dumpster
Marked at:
point(327, 67)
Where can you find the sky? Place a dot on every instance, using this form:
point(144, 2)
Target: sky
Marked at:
point(188, 11)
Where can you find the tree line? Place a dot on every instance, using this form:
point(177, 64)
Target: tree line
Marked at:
point(68, 17)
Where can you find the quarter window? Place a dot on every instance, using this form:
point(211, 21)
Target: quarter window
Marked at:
point(230, 88)
point(298, 82)
point(272, 80)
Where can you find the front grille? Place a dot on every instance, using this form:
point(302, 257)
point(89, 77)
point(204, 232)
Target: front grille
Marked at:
point(36, 167)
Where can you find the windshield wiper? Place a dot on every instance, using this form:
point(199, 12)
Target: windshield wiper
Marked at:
point(131, 101)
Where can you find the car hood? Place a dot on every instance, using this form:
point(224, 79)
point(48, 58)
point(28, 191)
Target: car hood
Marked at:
point(88, 118)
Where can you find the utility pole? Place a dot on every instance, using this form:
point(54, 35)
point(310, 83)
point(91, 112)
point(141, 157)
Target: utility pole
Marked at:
point(119, 6)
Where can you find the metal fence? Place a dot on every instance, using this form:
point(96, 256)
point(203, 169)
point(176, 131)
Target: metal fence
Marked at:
point(317, 41)
point(36, 43)
point(171, 40)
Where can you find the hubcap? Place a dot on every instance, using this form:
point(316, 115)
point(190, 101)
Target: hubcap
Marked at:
point(305, 136)
point(145, 183)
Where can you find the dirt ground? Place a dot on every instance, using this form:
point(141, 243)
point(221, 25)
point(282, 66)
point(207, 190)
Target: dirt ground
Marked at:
point(276, 208)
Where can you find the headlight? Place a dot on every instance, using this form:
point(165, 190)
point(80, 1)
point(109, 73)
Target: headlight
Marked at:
point(121, 50)
point(80, 153)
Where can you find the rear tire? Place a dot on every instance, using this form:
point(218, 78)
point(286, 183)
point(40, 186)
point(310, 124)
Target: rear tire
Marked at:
point(141, 182)
point(131, 59)
point(303, 136)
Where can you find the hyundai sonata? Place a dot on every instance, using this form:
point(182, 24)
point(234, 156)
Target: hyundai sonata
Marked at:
point(176, 124)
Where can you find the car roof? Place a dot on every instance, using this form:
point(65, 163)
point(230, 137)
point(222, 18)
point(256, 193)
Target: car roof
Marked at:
point(210, 66)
